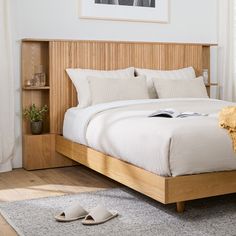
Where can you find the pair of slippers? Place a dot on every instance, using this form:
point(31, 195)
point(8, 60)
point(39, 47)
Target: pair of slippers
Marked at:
point(97, 215)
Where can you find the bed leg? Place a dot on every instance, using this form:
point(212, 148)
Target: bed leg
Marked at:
point(180, 207)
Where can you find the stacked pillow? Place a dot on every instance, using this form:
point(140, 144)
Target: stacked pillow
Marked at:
point(100, 86)
point(80, 81)
point(108, 90)
point(185, 73)
point(180, 88)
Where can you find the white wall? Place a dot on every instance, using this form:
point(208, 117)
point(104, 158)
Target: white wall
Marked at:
point(190, 21)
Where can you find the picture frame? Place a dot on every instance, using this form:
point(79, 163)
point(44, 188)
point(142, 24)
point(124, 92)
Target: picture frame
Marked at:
point(91, 9)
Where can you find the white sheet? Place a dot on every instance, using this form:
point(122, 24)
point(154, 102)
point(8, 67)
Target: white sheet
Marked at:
point(168, 147)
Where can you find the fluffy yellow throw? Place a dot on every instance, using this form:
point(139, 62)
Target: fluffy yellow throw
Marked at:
point(227, 120)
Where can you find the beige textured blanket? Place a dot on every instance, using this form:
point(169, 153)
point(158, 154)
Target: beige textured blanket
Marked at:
point(227, 120)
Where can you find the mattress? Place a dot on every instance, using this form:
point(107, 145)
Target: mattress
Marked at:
point(164, 146)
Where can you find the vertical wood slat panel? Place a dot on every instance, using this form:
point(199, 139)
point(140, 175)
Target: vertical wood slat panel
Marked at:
point(193, 57)
point(159, 56)
point(174, 56)
point(143, 55)
point(110, 56)
point(60, 92)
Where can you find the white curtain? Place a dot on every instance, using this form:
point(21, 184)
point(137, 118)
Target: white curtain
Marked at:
point(226, 50)
point(7, 137)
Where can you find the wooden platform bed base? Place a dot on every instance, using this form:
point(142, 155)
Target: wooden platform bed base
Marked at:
point(163, 189)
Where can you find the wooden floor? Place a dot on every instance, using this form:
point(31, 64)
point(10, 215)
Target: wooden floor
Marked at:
point(20, 185)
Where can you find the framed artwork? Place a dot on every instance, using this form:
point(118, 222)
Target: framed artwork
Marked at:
point(128, 10)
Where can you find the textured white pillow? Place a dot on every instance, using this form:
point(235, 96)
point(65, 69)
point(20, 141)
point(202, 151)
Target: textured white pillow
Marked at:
point(79, 79)
point(180, 88)
point(185, 73)
point(108, 90)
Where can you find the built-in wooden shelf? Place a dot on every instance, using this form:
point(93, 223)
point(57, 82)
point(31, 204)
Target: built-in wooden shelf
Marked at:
point(107, 41)
point(36, 88)
point(29, 134)
point(212, 84)
point(38, 150)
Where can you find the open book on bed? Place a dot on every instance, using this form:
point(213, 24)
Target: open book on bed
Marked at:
point(171, 113)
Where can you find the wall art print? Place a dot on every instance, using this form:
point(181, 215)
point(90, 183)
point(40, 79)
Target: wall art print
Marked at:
point(129, 10)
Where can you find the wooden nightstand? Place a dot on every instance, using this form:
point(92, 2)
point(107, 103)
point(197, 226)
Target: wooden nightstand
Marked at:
point(38, 150)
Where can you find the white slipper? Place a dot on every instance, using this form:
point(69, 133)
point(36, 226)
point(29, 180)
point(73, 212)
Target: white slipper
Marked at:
point(75, 212)
point(99, 215)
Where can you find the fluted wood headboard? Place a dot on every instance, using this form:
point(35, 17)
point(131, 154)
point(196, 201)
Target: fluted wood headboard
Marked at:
point(108, 56)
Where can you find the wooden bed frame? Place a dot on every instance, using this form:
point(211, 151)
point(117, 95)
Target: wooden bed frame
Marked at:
point(113, 55)
point(163, 189)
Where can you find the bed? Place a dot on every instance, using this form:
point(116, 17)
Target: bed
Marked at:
point(172, 147)
point(175, 176)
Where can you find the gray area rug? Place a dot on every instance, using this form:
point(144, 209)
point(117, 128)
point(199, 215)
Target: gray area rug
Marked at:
point(138, 215)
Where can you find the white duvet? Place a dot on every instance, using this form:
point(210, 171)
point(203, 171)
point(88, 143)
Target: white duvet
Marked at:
point(167, 147)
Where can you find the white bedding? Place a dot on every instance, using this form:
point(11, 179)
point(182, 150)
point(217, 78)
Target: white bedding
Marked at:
point(167, 147)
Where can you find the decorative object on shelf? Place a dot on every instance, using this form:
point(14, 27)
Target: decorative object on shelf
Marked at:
point(128, 10)
point(36, 116)
point(28, 83)
point(205, 76)
point(39, 79)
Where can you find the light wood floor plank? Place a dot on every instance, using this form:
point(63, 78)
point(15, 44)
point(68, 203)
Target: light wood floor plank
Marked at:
point(21, 185)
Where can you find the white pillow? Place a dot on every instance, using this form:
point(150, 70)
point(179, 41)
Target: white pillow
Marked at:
point(108, 90)
point(79, 79)
point(180, 88)
point(185, 73)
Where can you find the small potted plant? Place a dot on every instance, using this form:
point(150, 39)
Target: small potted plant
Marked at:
point(35, 116)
